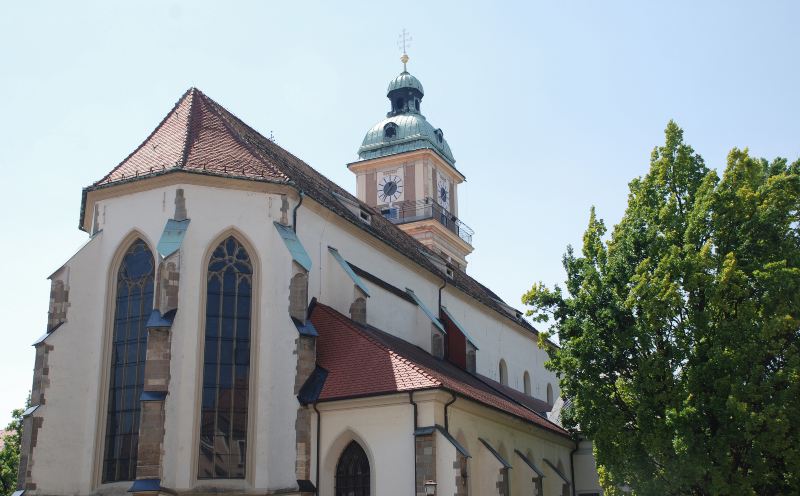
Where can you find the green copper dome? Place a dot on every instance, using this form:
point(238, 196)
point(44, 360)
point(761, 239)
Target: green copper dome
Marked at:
point(404, 80)
point(404, 129)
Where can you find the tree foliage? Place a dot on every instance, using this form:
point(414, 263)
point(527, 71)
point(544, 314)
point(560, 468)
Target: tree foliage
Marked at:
point(680, 333)
point(9, 455)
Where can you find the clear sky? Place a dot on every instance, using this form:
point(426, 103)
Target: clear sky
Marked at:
point(549, 108)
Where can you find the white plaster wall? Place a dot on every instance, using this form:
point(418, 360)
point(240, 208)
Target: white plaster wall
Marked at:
point(445, 458)
point(586, 479)
point(385, 433)
point(72, 422)
point(467, 425)
point(69, 413)
point(497, 338)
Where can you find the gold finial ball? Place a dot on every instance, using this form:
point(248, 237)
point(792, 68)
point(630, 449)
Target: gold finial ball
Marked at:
point(404, 59)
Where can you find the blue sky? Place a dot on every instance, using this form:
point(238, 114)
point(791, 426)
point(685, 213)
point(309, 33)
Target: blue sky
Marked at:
point(549, 107)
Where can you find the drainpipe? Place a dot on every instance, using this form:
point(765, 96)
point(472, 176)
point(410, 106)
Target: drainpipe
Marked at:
point(444, 284)
point(446, 416)
point(294, 212)
point(572, 464)
point(319, 424)
point(414, 436)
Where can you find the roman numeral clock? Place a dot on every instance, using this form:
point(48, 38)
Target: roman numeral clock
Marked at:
point(390, 188)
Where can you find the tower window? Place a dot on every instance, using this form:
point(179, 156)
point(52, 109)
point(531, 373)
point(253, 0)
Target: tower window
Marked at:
point(398, 104)
point(390, 130)
point(439, 135)
point(416, 103)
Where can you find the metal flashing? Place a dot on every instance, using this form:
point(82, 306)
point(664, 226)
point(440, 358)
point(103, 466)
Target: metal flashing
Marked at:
point(172, 237)
point(47, 334)
point(18, 493)
point(306, 329)
point(427, 310)
point(423, 431)
point(153, 396)
point(497, 455)
point(529, 463)
point(145, 486)
point(30, 410)
point(306, 486)
point(158, 320)
point(460, 327)
point(311, 389)
point(348, 270)
point(294, 245)
point(557, 471)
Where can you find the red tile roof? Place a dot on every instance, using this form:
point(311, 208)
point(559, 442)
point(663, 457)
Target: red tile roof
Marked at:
point(364, 361)
point(194, 136)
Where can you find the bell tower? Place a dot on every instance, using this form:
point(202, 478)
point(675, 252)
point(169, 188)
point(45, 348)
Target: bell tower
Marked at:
point(407, 172)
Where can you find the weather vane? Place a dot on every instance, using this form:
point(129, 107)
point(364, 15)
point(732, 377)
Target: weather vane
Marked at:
point(403, 42)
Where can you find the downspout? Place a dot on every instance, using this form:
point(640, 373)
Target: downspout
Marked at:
point(446, 416)
point(294, 211)
point(572, 464)
point(444, 284)
point(319, 424)
point(414, 436)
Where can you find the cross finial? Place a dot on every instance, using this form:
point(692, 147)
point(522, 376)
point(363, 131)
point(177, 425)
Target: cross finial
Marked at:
point(403, 42)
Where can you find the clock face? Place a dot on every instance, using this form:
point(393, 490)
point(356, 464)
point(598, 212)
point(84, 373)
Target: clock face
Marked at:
point(443, 191)
point(390, 188)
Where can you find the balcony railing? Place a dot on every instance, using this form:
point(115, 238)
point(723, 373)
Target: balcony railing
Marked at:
point(412, 211)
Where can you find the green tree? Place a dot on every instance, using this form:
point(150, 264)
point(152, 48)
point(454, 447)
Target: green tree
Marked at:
point(680, 333)
point(9, 455)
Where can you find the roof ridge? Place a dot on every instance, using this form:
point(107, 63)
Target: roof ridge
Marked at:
point(351, 325)
point(148, 138)
point(189, 126)
point(217, 109)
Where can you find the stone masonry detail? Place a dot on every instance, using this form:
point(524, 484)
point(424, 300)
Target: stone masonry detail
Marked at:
point(306, 351)
point(460, 466)
point(424, 461)
point(31, 424)
point(59, 302)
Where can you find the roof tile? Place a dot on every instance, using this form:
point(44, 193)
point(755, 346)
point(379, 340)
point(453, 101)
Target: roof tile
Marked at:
point(364, 361)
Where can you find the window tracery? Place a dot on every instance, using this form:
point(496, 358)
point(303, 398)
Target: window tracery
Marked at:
point(132, 307)
point(226, 363)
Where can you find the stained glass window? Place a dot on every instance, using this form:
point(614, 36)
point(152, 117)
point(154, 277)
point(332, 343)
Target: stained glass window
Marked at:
point(133, 304)
point(352, 472)
point(226, 364)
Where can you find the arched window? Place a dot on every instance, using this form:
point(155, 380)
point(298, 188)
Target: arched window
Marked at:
point(526, 381)
point(549, 394)
point(226, 363)
point(352, 472)
point(503, 373)
point(133, 304)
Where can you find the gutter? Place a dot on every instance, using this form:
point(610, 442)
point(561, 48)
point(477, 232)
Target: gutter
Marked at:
point(446, 416)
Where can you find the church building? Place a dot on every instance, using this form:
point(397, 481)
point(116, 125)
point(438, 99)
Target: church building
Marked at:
point(237, 323)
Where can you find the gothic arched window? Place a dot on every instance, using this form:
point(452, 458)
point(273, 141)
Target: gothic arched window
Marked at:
point(226, 363)
point(352, 472)
point(526, 383)
point(550, 399)
point(133, 304)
